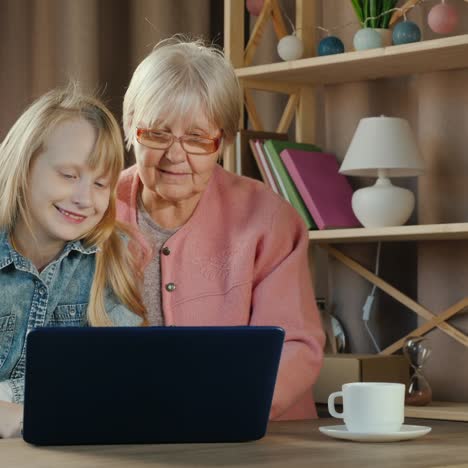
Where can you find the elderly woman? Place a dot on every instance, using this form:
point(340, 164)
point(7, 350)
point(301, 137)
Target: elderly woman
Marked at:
point(218, 249)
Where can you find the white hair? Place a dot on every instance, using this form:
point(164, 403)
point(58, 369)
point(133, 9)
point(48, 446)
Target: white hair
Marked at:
point(177, 79)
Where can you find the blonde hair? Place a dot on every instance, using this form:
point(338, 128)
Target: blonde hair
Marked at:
point(178, 78)
point(25, 141)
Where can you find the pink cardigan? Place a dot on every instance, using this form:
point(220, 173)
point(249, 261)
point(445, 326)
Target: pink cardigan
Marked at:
point(241, 259)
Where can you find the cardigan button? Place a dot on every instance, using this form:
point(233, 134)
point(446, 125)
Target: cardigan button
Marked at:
point(170, 287)
point(166, 250)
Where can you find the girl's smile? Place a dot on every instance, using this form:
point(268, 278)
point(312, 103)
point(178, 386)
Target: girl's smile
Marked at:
point(71, 217)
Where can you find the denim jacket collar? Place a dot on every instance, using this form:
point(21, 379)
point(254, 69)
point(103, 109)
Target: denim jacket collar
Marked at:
point(8, 255)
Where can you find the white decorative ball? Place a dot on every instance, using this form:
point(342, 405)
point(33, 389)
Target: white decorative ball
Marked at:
point(367, 38)
point(290, 48)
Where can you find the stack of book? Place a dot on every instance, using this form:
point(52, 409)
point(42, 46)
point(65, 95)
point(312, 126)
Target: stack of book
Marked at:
point(302, 174)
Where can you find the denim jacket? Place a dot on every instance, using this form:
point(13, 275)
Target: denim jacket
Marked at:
point(55, 297)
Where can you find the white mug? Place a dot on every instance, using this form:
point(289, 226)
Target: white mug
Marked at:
point(370, 407)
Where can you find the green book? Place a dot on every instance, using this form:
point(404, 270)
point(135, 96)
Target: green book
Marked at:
point(273, 149)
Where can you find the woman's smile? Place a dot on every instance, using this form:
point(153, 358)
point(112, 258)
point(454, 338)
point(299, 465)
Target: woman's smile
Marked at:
point(172, 175)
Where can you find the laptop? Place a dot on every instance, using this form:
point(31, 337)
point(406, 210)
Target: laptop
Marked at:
point(127, 385)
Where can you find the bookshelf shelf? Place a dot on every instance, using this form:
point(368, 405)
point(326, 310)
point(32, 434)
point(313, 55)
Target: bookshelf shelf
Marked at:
point(450, 411)
point(439, 54)
point(451, 231)
point(442, 410)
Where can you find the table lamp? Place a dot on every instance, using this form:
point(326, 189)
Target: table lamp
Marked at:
point(382, 147)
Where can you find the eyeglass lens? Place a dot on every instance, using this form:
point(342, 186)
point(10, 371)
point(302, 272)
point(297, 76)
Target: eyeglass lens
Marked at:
point(190, 144)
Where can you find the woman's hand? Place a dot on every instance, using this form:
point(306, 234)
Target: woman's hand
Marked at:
point(11, 416)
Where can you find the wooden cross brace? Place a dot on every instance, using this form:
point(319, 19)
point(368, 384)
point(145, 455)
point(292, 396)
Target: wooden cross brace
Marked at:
point(286, 117)
point(271, 10)
point(433, 320)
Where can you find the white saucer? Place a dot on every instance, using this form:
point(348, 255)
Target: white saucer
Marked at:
point(405, 433)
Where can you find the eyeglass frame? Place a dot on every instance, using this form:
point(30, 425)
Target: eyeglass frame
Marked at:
point(180, 140)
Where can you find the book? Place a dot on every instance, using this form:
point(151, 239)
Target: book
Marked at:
point(287, 186)
point(276, 177)
point(326, 193)
point(245, 161)
point(259, 154)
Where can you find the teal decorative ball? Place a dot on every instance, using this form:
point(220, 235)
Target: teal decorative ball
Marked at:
point(330, 45)
point(406, 32)
point(367, 38)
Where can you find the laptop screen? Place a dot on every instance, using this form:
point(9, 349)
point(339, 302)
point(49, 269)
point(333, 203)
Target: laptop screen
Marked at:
point(150, 384)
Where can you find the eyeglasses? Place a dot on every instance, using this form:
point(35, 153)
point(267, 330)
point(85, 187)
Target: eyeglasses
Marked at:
point(191, 144)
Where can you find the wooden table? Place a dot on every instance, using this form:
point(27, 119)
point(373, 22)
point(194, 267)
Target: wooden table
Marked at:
point(287, 445)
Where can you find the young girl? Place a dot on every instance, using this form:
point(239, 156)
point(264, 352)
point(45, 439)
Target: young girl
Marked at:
point(62, 263)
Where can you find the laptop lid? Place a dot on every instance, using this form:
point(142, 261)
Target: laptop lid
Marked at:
point(124, 385)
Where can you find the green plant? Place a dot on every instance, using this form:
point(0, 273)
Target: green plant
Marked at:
point(371, 13)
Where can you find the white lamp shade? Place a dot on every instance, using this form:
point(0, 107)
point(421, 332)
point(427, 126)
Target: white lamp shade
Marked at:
point(382, 143)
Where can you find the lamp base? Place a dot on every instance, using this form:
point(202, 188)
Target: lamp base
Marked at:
point(383, 204)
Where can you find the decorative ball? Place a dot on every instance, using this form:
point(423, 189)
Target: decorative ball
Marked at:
point(367, 38)
point(254, 7)
point(442, 18)
point(330, 45)
point(406, 32)
point(290, 48)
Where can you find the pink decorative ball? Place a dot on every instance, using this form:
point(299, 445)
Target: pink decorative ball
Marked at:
point(254, 7)
point(442, 18)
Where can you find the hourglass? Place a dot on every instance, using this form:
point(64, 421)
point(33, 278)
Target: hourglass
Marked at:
point(417, 350)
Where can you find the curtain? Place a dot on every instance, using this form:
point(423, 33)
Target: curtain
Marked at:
point(46, 43)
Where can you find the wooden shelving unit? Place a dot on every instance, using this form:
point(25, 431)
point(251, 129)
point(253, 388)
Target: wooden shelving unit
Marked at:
point(298, 79)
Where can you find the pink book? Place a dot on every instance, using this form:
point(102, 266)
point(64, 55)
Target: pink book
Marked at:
point(263, 164)
point(326, 193)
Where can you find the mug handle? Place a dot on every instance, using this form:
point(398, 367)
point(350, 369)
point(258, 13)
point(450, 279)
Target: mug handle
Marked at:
point(331, 405)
